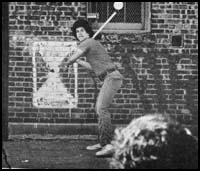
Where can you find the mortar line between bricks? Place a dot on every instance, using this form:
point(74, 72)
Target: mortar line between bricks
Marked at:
point(61, 124)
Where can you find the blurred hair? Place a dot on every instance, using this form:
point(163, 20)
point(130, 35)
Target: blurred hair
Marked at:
point(85, 24)
point(154, 142)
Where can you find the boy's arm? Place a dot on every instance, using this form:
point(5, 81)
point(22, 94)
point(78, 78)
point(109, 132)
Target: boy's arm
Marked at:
point(74, 57)
point(84, 64)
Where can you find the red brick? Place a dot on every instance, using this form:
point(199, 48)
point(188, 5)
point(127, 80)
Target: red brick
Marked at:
point(31, 120)
point(14, 119)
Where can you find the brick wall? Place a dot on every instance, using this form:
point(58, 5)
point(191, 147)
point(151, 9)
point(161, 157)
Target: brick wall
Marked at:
point(160, 76)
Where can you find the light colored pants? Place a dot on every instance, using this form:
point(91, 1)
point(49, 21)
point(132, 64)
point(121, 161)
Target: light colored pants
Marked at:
point(111, 85)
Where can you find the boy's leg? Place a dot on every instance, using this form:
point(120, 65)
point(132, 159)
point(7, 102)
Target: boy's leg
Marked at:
point(106, 95)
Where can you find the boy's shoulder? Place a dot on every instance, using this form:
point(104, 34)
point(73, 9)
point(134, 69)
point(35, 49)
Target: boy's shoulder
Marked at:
point(89, 42)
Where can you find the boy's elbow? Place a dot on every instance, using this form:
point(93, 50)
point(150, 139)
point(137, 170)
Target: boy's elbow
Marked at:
point(79, 53)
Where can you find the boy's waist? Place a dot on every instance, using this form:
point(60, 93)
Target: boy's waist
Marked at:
point(103, 75)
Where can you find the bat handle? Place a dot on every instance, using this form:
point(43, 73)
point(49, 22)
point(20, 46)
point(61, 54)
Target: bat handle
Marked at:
point(108, 20)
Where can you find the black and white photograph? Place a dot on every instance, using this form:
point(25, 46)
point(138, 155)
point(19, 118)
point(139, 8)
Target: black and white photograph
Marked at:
point(100, 85)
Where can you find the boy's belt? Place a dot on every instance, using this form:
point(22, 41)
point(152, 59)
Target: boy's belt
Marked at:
point(105, 73)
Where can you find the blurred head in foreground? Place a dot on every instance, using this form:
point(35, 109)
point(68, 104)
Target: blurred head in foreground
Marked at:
point(154, 142)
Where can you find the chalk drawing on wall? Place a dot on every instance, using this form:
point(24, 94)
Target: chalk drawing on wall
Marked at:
point(49, 89)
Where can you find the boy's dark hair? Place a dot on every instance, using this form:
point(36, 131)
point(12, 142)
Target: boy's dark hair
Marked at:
point(85, 24)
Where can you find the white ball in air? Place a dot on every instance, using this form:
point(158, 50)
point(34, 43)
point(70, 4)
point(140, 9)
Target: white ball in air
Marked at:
point(118, 5)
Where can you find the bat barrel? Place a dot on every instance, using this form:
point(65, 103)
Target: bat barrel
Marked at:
point(108, 20)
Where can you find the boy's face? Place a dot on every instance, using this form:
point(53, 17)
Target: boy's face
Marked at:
point(81, 34)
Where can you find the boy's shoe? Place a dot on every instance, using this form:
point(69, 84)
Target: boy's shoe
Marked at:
point(94, 147)
point(106, 151)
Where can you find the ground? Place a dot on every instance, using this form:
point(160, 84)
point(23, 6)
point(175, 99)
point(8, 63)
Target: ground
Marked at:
point(52, 154)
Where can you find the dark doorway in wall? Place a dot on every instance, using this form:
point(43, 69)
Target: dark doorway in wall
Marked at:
point(5, 40)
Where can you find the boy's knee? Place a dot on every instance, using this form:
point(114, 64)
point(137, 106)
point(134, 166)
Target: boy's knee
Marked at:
point(101, 110)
